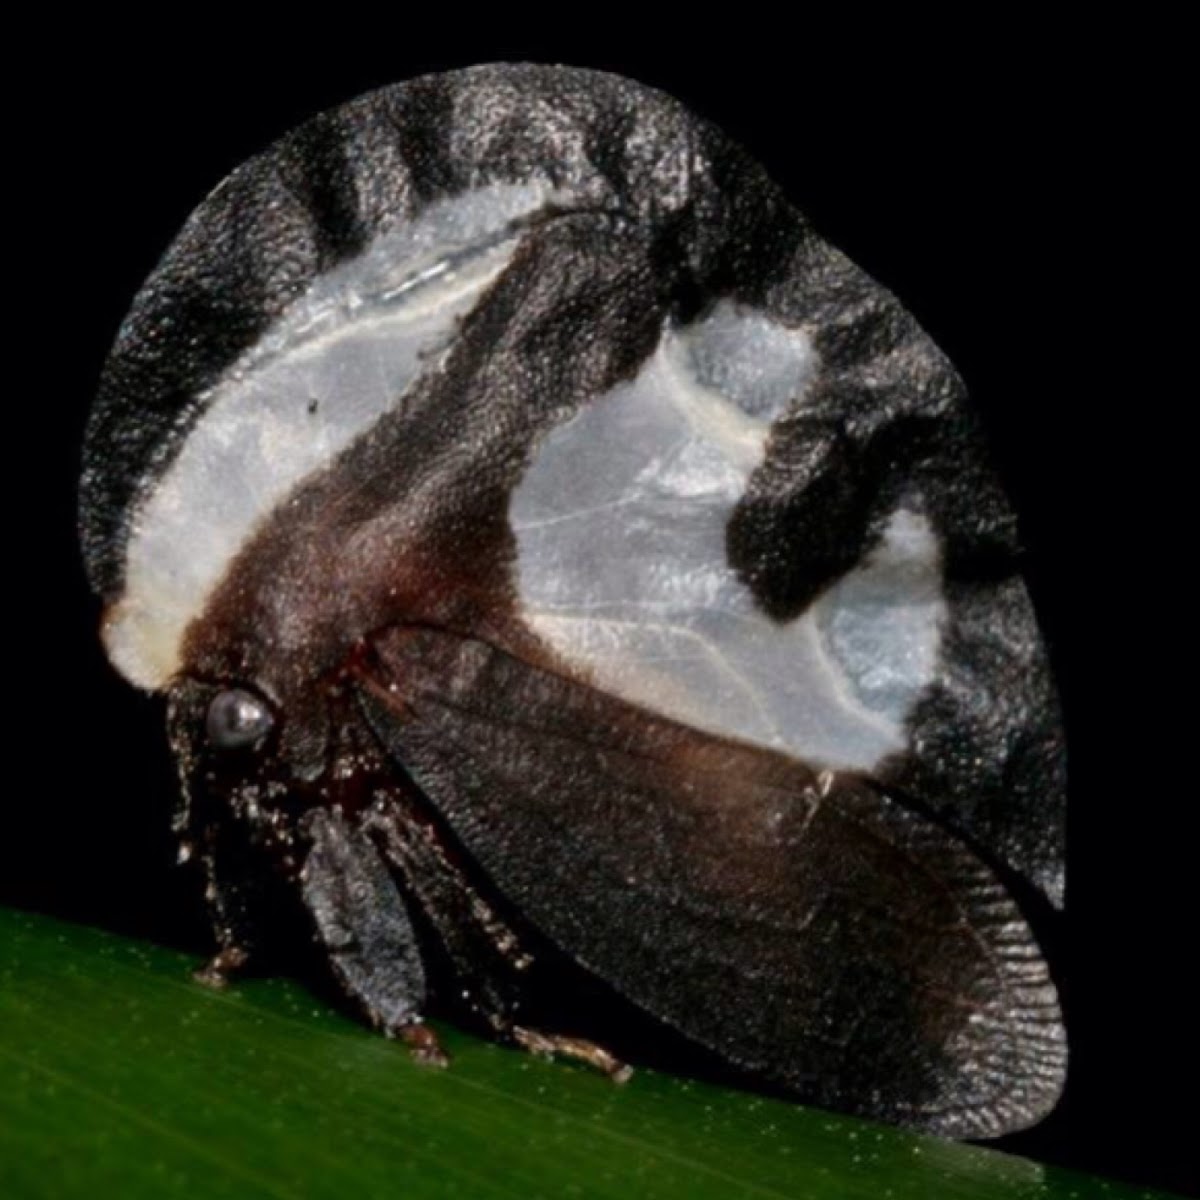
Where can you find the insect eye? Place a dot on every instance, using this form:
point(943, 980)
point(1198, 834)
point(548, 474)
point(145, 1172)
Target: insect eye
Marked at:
point(237, 718)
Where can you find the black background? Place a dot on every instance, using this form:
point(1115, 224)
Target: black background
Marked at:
point(975, 175)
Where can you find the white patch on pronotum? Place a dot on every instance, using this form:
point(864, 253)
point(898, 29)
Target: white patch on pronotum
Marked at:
point(620, 523)
point(340, 358)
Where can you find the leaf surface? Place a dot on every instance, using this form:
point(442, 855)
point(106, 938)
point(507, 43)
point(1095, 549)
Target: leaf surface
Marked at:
point(123, 1077)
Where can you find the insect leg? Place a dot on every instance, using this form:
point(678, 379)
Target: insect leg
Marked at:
point(362, 920)
point(486, 953)
point(236, 900)
point(553, 1045)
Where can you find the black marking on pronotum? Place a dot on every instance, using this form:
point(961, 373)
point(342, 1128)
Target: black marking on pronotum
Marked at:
point(552, 550)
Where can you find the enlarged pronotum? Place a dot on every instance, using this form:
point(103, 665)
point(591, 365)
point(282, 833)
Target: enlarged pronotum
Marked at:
point(550, 548)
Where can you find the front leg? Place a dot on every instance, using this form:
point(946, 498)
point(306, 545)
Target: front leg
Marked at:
point(236, 896)
point(364, 924)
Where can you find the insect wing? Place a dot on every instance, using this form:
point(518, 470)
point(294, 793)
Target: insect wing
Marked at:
point(804, 926)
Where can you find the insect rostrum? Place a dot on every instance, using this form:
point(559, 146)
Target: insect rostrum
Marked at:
point(545, 540)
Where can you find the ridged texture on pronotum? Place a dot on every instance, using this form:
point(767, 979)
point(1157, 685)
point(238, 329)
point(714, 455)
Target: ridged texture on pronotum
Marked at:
point(553, 552)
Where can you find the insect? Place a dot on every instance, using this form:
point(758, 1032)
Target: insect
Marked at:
point(550, 548)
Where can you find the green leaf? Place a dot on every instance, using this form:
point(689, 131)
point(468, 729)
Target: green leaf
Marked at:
point(123, 1077)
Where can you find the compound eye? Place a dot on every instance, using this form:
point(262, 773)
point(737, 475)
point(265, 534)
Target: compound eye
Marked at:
point(237, 718)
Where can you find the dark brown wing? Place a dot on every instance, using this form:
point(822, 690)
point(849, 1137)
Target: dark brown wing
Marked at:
point(803, 925)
